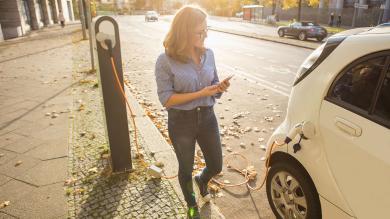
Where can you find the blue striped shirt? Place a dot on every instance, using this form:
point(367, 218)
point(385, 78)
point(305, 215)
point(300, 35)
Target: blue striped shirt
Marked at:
point(176, 77)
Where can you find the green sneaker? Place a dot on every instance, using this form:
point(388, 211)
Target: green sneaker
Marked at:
point(193, 212)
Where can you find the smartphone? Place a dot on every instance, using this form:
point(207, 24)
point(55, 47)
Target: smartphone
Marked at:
point(228, 78)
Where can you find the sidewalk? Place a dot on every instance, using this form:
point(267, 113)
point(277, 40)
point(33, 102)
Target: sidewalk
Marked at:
point(54, 156)
point(35, 103)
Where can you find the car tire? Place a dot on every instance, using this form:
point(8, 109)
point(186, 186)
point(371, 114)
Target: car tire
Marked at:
point(292, 200)
point(281, 33)
point(319, 39)
point(302, 36)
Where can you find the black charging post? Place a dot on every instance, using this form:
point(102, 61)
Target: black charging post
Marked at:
point(107, 44)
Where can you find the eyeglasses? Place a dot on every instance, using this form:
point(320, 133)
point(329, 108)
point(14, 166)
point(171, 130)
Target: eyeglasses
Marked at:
point(202, 33)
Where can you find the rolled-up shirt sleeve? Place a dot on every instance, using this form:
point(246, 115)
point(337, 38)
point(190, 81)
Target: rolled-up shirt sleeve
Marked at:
point(164, 80)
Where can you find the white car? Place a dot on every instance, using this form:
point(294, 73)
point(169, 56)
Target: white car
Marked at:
point(151, 16)
point(340, 105)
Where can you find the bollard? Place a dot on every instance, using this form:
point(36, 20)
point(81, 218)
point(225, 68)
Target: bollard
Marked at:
point(117, 130)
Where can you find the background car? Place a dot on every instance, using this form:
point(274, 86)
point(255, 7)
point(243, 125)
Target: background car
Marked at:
point(303, 30)
point(341, 98)
point(384, 25)
point(240, 14)
point(151, 16)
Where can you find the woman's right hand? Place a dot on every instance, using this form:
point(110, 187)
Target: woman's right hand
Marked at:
point(209, 91)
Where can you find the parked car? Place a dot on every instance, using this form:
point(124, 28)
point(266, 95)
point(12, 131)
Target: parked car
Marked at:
point(303, 30)
point(384, 25)
point(240, 14)
point(151, 16)
point(341, 169)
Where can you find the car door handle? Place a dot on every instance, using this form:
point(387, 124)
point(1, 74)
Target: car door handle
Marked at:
point(348, 127)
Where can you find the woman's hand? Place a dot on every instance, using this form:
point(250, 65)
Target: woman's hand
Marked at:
point(223, 86)
point(209, 90)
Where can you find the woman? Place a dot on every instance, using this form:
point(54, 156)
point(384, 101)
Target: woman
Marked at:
point(187, 85)
point(61, 18)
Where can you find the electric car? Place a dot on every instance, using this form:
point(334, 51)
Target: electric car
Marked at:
point(337, 162)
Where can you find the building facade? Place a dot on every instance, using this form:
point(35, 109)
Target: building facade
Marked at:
point(18, 17)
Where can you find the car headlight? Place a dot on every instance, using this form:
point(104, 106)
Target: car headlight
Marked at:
point(317, 57)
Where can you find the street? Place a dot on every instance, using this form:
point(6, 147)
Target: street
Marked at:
point(253, 107)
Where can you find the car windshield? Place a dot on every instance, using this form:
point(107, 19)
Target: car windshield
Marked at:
point(151, 13)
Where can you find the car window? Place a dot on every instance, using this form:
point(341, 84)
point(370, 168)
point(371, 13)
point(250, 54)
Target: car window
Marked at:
point(358, 83)
point(296, 24)
point(308, 24)
point(382, 108)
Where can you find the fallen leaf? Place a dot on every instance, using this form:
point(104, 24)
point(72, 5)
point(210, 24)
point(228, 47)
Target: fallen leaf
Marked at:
point(93, 170)
point(70, 181)
point(159, 164)
point(214, 188)
point(219, 194)
point(4, 204)
point(18, 163)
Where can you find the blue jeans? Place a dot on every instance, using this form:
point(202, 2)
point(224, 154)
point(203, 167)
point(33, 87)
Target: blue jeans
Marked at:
point(185, 127)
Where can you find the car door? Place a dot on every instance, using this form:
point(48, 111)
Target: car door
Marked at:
point(289, 30)
point(296, 28)
point(354, 124)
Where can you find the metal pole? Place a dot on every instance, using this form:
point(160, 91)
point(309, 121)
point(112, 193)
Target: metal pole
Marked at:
point(82, 18)
point(89, 18)
point(354, 15)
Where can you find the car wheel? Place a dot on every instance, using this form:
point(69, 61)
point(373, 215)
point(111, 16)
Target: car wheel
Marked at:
point(319, 39)
point(291, 193)
point(281, 33)
point(302, 36)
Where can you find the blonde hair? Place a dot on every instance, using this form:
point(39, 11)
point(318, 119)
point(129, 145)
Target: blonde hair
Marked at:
point(177, 41)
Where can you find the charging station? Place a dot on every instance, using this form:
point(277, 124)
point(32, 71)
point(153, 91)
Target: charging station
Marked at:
point(107, 45)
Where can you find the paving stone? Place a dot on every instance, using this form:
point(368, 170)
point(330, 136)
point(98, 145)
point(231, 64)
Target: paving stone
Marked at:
point(23, 145)
point(9, 138)
point(7, 156)
point(13, 171)
point(46, 172)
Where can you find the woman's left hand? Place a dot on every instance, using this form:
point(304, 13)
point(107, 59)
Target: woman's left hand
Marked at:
point(223, 86)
